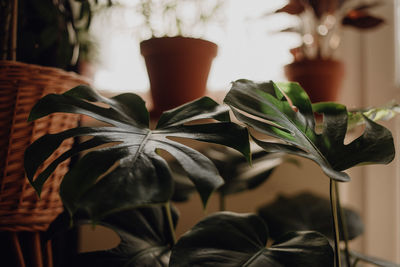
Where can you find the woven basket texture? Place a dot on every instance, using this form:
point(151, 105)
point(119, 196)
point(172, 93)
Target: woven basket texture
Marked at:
point(21, 86)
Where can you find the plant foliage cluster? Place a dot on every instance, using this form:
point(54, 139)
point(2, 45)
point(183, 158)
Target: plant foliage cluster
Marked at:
point(124, 183)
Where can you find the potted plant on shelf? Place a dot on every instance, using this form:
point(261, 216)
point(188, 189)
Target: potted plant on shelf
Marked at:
point(319, 26)
point(177, 65)
point(125, 184)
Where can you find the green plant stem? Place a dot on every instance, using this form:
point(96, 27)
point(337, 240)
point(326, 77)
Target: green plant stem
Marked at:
point(167, 207)
point(343, 226)
point(332, 191)
point(222, 202)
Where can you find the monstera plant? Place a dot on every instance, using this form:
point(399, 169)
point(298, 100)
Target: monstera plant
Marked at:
point(125, 182)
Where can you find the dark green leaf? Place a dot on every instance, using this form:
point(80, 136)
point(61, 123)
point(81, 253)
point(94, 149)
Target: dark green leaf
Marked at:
point(230, 239)
point(237, 173)
point(124, 170)
point(284, 111)
point(306, 211)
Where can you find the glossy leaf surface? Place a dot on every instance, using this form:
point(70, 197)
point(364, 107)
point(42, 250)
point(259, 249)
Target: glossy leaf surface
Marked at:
point(306, 211)
point(230, 239)
point(284, 111)
point(124, 153)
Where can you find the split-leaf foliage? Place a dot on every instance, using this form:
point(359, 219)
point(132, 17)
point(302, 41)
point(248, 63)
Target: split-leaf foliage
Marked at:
point(123, 170)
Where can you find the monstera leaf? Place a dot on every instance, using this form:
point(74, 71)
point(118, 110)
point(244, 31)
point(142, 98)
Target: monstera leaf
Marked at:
point(122, 169)
point(284, 111)
point(306, 211)
point(229, 239)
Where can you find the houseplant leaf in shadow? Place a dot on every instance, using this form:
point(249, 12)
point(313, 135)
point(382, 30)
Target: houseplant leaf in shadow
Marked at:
point(144, 238)
point(306, 211)
point(230, 239)
point(124, 153)
point(237, 173)
point(284, 111)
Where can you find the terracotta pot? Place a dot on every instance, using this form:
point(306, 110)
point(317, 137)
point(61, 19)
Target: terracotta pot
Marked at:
point(320, 78)
point(178, 69)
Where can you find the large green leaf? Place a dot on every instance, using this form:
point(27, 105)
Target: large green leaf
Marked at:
point(124, 153)
point(230, 239)
point(284, 111)
point(306, 211)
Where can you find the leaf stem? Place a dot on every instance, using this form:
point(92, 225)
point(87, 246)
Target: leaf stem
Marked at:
point(167, 207)
point(334, 211)
point(343, 226)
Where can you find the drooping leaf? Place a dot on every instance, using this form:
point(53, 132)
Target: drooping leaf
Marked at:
point(284, 111)
point(306, 211)
point(122, 168)
point(237, 173)
point(230, 239)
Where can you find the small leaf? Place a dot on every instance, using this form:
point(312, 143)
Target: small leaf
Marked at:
point(385, 113)
point(230, 239)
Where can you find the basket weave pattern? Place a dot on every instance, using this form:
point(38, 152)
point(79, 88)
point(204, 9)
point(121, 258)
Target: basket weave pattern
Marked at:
point(21, 86)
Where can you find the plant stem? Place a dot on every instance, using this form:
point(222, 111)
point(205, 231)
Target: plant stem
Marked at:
point(222, 202)
point(167, 207)
point(332, 191)
point(343, 226)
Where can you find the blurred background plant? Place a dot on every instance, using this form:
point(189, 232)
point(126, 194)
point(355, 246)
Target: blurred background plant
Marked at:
point(188, 18)
point(320, 23)
point(49, 33)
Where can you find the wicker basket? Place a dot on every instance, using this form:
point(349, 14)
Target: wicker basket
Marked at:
point(21, 86)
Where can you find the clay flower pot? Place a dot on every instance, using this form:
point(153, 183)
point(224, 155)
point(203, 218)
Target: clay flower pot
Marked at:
point(320, 78)
point(178, 69)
